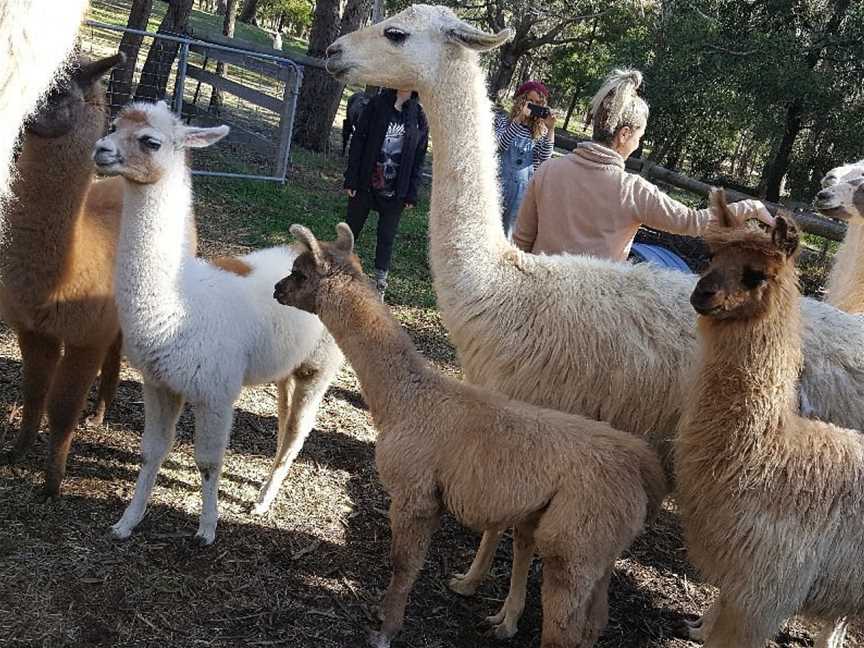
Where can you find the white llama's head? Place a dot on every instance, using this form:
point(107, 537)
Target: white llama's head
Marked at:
point(844, 200)
point(148, 140)
point(843, 173)
point(408, 49)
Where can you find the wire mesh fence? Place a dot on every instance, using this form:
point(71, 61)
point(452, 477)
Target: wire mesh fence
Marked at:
point(208, 83)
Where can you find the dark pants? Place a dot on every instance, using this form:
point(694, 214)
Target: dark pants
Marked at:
point(389, 212)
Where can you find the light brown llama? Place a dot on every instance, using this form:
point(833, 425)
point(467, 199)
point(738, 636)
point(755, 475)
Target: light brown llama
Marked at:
point(57, 264)
point(575, 489)
point(769, 500)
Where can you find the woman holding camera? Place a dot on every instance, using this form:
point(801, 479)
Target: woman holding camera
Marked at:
point(586, 203)
point(525, 140)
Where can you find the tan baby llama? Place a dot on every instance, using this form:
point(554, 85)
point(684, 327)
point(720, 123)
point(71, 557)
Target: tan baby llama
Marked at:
point(771, 502)
point(576, 490)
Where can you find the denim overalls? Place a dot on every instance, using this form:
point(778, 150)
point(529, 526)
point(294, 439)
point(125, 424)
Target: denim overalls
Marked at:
point(515, 169)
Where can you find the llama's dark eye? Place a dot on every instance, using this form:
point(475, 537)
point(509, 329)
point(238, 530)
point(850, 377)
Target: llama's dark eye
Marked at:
point(150, 142)
point(296, 275)
point(112, 128)
point(395, 35)
point(752, 278)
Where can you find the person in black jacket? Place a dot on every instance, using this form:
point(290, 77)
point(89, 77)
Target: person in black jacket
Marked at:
point(384, 163)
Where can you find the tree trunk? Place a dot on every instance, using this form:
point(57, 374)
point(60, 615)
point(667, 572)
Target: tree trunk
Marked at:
point(508, 57)
point(221, 68)
point(120, 84)
point(320, 94)
point(571, 108)
point(160, 58)
point(247, 14)
point(780, 163)
point(221, 7)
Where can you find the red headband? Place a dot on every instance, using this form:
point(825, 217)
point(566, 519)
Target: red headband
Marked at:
point(528, 86)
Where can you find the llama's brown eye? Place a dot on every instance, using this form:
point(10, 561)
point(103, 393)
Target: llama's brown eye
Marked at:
point(296, 275)
point(752, 278)
point(395, 35)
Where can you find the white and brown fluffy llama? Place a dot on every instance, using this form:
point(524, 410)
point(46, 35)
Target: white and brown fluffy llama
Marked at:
point(575, 490)
point(35, 36)
point(769, 500)
point(842, 197)
point(56, 265)
point(198, 332)
point(575, 333)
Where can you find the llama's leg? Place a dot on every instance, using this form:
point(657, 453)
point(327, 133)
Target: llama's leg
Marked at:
point(740, 628)
point(697, 630)
point(598, 610)
point(567, 596)
point(466, 584)
point(212, 429)
point(39, 357)
point(72, 381)
point(161, 411)
point(412, 527)
point(109, 376)
point(832, 634)
point(505, 622)
point(304, 391)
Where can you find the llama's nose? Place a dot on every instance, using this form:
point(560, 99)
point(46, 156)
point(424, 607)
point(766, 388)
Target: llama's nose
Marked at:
point(825, 194)
point(103, 154)
point(704, 297)
point(334, 51)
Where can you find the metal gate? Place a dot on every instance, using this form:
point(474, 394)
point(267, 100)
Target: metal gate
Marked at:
point(256, 95)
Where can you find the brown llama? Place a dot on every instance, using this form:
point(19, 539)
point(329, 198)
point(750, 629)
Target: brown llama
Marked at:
point(769, 500)
point(57, 266)
point(576, 490)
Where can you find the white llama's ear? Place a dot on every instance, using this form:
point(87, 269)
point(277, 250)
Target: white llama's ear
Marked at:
point(307, 239)
point(344, 238)
point(196, 137)
point(476, 39)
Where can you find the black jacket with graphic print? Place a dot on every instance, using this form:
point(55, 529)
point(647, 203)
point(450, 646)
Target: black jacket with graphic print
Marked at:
point(369, 137)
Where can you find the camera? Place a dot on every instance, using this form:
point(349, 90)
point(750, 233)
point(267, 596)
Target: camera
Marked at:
point(538, 112)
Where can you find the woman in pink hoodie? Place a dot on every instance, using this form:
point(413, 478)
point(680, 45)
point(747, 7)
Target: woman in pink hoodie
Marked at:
point(586, 203)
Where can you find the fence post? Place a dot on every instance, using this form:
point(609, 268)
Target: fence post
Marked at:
point(286, 121)
point(180, 79)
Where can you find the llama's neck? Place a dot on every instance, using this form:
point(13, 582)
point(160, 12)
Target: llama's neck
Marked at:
point(153, 244)
point(749, 372)
point(388, 365)
point(846, 281)
point(48, 194)
point(467, 237)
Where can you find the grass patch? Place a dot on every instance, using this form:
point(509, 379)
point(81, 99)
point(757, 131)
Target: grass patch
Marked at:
point(258, 214)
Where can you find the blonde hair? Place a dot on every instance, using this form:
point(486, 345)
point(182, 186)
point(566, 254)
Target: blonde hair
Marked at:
point(535, 124)
point(616, 105)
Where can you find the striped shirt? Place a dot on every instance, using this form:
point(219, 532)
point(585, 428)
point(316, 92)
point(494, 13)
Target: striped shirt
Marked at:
point(506, 131)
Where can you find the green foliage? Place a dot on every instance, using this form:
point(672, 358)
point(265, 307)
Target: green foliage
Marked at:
point(297, 13)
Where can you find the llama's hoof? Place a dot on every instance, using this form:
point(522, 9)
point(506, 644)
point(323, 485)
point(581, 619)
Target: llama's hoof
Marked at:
point(378, 639)
point(95, 420)
point(501, 626)
point(461, 585)
point(49, 493)
point(205, 538)
point(119, 532)
point(260, 508)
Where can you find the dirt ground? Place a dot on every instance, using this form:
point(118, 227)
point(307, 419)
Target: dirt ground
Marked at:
point(309, 574)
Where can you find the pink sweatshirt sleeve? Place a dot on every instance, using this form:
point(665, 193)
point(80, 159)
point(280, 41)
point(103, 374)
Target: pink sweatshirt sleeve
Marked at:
point(656, 209)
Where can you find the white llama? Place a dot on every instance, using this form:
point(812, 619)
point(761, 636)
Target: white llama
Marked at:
point(198, 332)
point(584, 335)
point(845, 286)
point(36, 36)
